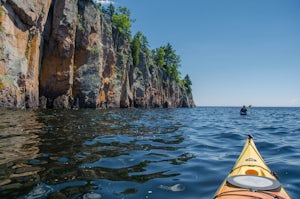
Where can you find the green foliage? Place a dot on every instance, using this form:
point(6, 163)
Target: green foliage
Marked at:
point(165, 57)
point(170, 57)
point(172, 62)
point(124, 11)
point(136, 47)
point(173, 73)
point(111, 10)
point(139, 43)
point(119, 74)
point(94, 49)
point(1, 85)
point(2, 11)
point(159, 57)
point(143, 41)
point(99, 6)
point(121, 23)
point(2, 47)
point(187, 83)
point(6, 80)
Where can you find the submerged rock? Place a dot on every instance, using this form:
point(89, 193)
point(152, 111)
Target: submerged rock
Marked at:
point(174, 188)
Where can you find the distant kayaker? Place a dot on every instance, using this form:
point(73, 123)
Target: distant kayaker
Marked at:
point(243, 110)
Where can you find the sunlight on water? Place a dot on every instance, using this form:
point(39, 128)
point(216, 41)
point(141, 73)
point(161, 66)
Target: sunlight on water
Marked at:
point(133, 153)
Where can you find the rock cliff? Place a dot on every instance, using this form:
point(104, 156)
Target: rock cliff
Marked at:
point(63, 54)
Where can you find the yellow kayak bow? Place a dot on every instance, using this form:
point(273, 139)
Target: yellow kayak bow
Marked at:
point(251, 178)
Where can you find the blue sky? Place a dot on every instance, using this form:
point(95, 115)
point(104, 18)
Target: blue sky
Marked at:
point(235, 51)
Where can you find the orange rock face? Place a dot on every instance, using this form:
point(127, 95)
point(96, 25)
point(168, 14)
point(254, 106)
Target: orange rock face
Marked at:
point(21, 26)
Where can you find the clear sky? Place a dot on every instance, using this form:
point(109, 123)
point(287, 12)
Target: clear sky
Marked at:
point(235, 51)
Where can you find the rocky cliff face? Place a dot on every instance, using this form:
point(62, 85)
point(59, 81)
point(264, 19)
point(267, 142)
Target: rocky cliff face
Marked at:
point(62, 54)
point(21, 28)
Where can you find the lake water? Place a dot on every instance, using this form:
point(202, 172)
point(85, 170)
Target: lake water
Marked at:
point(140, 153)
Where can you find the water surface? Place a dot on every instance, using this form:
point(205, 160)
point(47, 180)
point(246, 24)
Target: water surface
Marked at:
point(140, 153)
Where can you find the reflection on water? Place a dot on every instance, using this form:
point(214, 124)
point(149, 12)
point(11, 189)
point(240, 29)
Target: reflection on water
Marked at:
point(59, 153)
point(19, 143)
point(18, 138)
point(169, 153)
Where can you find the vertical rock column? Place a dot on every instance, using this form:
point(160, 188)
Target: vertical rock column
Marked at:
point(56, 75)
point(21, 26)
point(88, 56)
point(110, 75)
point(124, 65)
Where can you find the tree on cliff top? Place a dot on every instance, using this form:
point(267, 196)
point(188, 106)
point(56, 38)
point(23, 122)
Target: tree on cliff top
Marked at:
point(166, 58)
point(111, 9)
point(121, 24)
point(139, 43)
point(187, 83)
point(159, 57)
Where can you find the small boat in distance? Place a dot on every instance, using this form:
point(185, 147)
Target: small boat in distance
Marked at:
point(243, 110)
point(251, 178)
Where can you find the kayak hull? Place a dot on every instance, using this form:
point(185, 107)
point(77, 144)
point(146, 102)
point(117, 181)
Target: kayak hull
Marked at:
point(251, 178)
point(243, 113)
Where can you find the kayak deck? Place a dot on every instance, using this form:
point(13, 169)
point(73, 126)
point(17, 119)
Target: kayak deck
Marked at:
point(251, 178)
